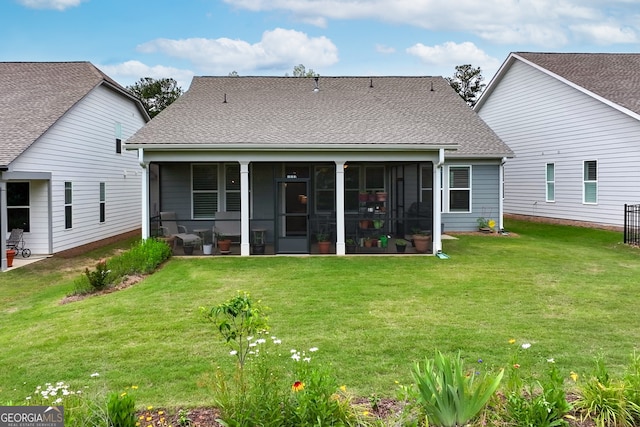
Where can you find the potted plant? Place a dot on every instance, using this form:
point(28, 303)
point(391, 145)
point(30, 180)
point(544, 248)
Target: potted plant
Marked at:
point(258, 245)
point(350, 246)
point(10, 256)
point(367, 242)
point(421, 240)
point(207, 245)
point(401, 245)
point(323, 243)
point(187, 247)
point(486, 225)
point(224, 243)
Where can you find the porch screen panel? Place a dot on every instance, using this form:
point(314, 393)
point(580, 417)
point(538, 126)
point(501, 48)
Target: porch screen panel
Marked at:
point(325, 184)
point(459, 189)
point(205, 190)
point(426, 184)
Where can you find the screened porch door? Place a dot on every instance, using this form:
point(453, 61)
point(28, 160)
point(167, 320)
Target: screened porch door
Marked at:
point(292, 216)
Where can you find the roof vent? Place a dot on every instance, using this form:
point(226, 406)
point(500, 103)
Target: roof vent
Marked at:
point(225, 99)
point(317, 87)
point(370, 82)
point(432, 86)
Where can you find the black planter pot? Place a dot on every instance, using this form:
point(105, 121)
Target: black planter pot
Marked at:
point(258, 249)
point(188, 250)
point(401, 248)
point(351, 249)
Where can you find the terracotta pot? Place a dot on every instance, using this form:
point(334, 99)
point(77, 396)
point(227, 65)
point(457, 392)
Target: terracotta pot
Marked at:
point(11, 254)
point(381, 196)
point(364, 223)
point(368, 243)
point(323, 247)
point(421, 242)
point(224, 245)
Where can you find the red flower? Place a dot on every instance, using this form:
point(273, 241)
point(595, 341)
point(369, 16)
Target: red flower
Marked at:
point(297, 386)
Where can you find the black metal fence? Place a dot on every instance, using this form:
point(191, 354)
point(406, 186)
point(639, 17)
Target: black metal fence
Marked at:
point(632, 224)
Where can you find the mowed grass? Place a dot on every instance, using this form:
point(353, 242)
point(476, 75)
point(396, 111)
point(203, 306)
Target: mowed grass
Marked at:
point(570, 292)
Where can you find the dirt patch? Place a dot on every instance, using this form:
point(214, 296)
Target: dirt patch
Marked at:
point(127, 282)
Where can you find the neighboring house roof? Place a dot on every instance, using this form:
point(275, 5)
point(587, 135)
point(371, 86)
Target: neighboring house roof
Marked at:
point(614, 77)
point(220, 113)
point(35, 95)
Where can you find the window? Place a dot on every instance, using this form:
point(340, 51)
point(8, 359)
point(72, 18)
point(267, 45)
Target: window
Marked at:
point(232, 187)
point(204, 185)
point(325, 185)
point(426, 184)
point(590, 181)
point(351, 188)
point(18, 210)
point(118, 146)
point(373, 179)
point(551, 182)
point(68, 199)
point(103, 203)
point(460, 189)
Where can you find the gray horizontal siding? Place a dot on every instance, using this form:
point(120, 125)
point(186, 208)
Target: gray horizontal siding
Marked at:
point(546, 121)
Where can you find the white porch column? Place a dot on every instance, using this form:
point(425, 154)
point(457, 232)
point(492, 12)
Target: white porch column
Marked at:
point(3, 224)
point(145, 195)
point(340, 245)
point(437, 207)
point(501, 192)
point(245, 248)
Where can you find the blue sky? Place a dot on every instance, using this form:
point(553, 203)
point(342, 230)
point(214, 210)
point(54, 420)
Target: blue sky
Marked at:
point(130, 39)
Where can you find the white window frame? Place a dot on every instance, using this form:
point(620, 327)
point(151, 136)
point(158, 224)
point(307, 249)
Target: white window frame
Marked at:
point(212, 190)
point(102, 208)
point(227, 191)
point(586, 182)
point(550, 182)
point(450, 188)
point(68, 205)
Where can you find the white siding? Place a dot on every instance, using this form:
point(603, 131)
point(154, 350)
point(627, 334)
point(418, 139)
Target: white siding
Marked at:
point(80, 148)
point(543, 120)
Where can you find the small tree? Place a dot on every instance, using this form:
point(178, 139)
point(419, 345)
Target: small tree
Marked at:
point(301, 71)
point(156, 95)
point(467, 81)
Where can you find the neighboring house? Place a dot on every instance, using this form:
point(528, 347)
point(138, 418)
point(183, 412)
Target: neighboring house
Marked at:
point(64, 177)
point(302, 156)
point(573, 122)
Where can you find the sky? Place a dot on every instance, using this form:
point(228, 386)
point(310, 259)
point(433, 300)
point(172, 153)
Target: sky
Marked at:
point(131, 39)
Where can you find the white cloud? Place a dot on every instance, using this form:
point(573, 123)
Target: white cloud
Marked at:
point(50, 4)
point(606, 34)
point(279, 49)
point(547, 23)
point(380, 48)
point(130, 72)
point(450, 54)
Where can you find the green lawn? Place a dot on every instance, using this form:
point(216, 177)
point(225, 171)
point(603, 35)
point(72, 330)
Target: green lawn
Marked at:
point(570, 292)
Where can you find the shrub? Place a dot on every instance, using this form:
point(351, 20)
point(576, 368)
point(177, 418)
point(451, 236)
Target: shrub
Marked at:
point(121, 410)
point(539, 404)
point(99, 278)
point(450, 395)
point(604, 400)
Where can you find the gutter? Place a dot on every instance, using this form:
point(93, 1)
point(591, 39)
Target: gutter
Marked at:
point(277, 147)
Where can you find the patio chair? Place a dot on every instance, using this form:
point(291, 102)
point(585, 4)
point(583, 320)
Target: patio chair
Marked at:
point(17, 243)
point(227, 224)
point(170, 228)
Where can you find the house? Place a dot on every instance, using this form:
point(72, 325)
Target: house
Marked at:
point(573, 122)
point(64, 175)
point(344, 157)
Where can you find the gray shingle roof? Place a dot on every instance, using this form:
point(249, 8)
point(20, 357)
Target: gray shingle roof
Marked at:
point(34, 95)
point(613, 76)
point(283, 111)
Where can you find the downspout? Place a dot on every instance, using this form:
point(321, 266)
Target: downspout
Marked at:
point(501, 192)
point(437, 209)
point(3, 224)
point(145, 195)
